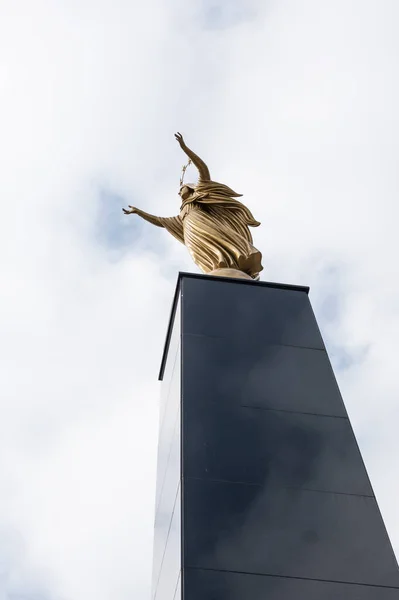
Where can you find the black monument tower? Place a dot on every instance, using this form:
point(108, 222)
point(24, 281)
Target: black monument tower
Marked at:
point(262, 493)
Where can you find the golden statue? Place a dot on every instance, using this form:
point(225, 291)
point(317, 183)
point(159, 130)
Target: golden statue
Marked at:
point(211, 224)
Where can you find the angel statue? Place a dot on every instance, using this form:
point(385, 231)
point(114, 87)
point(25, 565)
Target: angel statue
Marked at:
point(212, 224)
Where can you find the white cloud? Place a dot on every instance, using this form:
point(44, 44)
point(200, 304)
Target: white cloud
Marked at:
point(294, 105)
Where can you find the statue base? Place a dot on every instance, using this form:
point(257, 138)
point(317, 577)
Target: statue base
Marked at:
point(235, 273)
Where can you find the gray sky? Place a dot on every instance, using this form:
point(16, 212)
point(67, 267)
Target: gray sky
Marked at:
point(293, 104)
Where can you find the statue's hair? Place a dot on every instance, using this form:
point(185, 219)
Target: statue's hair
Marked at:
point(191, 186)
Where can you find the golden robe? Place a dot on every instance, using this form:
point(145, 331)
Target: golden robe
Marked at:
point(215, 229)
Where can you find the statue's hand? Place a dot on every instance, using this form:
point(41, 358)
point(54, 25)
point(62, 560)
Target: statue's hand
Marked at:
point(180, 139)
point(129, 211)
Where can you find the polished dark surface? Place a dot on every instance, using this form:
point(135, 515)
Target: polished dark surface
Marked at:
point(221, 585)
point(224, 371)
point(262, 493)
point(224, 309)
point(191, 276)
point(272, 448)
point(287, 532)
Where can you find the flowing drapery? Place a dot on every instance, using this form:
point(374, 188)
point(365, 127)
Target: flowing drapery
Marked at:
point(215, 229)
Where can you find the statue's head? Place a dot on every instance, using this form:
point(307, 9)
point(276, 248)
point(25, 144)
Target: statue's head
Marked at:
point(186, 190)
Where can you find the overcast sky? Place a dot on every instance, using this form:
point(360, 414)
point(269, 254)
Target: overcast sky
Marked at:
point(293, 103)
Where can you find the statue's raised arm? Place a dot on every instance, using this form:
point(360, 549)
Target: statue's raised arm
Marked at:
point(203, 170)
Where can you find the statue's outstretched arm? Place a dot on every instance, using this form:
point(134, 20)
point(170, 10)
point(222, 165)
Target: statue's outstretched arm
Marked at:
point(146, 216)
point(203, 170)
point(174, 225)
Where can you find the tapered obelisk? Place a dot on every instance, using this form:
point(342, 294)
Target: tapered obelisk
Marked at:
point(262, 493)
